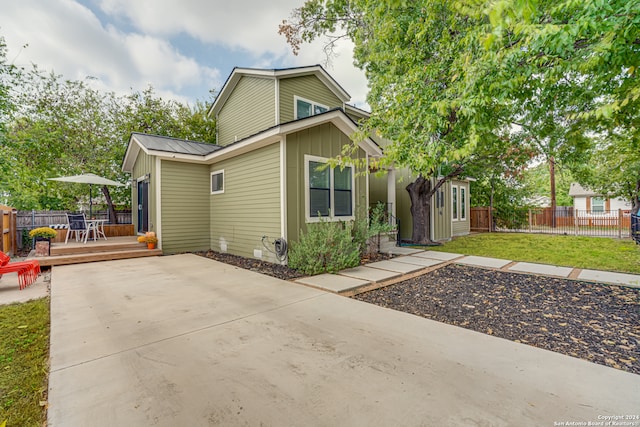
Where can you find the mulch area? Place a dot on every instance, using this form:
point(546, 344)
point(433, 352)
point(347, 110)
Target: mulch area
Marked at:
point(270, 269)
point(596, 322)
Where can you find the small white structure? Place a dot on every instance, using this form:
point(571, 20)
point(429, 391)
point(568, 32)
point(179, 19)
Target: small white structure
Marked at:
point(595, 210)
point(587, 200)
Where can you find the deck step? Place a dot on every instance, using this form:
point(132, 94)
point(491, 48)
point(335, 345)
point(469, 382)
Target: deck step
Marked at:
point(79, 258)
point(62, 249)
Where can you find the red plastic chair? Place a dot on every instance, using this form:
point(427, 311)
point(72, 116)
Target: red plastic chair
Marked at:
point(28, 271)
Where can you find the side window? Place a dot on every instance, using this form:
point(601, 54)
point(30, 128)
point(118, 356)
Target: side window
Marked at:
point(217, 182)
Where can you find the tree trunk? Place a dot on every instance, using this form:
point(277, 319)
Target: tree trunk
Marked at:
point(113, 218)
point(421, 194)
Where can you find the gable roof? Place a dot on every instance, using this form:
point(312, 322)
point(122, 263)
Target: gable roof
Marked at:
point(275, 73)
point(197, 152)
point(577, 190)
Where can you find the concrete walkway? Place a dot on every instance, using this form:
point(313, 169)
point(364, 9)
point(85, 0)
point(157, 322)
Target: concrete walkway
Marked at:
point(10, 292)
point(410, 262)
point(185, 340)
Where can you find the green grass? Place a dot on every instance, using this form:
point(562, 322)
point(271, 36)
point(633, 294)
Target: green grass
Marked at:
point(24, 353)
point(597, 253)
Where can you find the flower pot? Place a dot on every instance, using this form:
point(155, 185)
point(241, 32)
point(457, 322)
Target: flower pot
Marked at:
point(43, 246)
point(151, 245)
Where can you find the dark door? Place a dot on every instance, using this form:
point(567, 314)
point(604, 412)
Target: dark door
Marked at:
point(143, 206)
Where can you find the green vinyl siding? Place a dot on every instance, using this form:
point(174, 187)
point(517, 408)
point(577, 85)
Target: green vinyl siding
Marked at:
point(307, 87)
point(144, 164)
point(185, 207)
point(322, 141)
point(249, 208)
point(249, 110)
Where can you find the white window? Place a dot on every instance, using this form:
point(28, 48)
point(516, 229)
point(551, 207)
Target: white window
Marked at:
point(329, 191)
point(597, 205)
point(454, 203)
point(305, 108)
point(463, 203)
point(217, 182)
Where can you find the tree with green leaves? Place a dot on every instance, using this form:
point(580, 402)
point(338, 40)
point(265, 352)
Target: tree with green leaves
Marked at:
point(62, 127)
point(455, 83)
point(416, 56)
point(573, 68)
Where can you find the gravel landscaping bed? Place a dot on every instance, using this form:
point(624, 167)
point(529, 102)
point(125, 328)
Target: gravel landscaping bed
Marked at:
point(596, 322)
point(270, 269)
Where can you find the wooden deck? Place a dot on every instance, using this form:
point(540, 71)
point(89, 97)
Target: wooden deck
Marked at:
point(93, 251)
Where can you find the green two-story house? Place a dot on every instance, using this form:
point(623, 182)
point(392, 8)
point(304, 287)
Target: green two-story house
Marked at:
point(264, 179)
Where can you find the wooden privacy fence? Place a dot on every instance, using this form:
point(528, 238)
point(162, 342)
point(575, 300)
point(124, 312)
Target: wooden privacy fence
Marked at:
point(8, 243)
point(563, 220)
point(28, 220)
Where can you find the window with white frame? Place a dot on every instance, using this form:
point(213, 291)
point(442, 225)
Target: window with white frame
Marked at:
point(329, 191)
point(463, 203)
point(305, 108)
point(597, 205)
point(217, 182)
point(454, 203)
point(458, 203)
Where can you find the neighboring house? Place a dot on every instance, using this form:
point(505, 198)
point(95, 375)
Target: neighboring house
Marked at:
point(588, 202)
point(262, 182)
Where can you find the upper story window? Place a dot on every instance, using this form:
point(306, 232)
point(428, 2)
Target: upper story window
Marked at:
point(305, 108)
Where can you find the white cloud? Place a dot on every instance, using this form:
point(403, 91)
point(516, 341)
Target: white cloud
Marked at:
point(132, 44)
point(68, 38)
point(251, 25)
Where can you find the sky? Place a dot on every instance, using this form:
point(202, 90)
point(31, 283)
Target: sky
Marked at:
point(184, 49)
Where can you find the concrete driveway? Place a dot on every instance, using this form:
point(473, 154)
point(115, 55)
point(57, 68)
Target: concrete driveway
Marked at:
point(187, 341)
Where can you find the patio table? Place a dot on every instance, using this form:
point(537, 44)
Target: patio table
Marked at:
point(97, 226)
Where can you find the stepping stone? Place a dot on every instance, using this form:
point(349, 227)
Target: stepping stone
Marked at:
point(333, 282)
point(399, 250)
point(442, 256)
point(417, 260)
point(368, 273)
point(393, 265)
point(630, 280)
point(479, 261)
point(547, 270)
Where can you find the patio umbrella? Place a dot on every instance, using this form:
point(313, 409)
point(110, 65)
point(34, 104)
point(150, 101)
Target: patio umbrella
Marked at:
point(88, 178)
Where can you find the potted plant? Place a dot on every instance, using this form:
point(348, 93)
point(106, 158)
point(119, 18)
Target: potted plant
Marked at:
point(43, 236)
point(149, 238)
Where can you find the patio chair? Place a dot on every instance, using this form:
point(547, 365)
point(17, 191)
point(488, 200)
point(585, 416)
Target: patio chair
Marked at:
point(28, 271)
point(77, 226)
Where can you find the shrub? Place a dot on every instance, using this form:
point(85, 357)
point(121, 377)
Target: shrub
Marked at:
point(326, 247)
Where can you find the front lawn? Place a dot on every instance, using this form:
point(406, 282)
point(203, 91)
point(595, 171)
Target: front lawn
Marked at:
point(597, 253)
point(24, 353)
